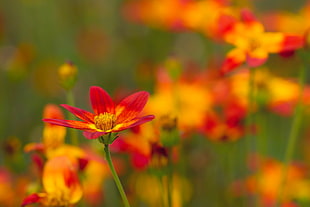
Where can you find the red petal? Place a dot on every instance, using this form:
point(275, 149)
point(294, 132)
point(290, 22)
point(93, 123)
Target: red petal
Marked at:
point(225, 24)
point(134, 122)
point(131, 106)
point(101, 101)
point(255, 62)
point(70, 123)
point(229, 65)
point(292, 42)
point(247, 16)
point(33, 198)
point(80, 113)
point(93, 135)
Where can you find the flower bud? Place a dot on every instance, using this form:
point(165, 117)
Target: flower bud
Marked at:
point(67, 74)
point(169, 134)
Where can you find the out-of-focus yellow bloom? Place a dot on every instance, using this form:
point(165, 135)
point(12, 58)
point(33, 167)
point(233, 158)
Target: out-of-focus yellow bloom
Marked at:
point(53, 135)
point(186, 100)
point(61, 184)
point(207, 17)
point(278, 94)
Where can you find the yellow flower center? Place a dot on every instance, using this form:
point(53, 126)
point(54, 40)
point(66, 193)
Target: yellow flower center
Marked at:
point(105, 121)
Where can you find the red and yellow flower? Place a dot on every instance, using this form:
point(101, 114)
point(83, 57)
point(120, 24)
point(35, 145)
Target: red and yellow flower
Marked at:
point(61, 184)
point(107, 117)
point(269, 182)
point(253, 44)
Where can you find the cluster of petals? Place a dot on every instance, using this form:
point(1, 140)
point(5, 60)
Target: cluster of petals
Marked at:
point(61, 184)
point(179, 15)
point(253, 44)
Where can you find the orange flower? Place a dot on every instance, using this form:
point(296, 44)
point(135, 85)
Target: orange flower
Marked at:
point(228, 126)
point(107, 117)
point(253, 44)
point(61, 184)
point(269, 181)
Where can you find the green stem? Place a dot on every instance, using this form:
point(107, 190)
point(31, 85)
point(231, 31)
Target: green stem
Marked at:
point(251, 104)
point(249, 124)
point(170, 178)
point(293, 135)
point(115, 176)
point(73, 133)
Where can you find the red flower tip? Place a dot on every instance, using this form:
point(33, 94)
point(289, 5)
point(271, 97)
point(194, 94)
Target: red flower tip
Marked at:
point(33, 198)
point(247, 16)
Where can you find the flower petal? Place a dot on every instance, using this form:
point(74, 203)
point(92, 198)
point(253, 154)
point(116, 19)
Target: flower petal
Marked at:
point(233, 59)
point(292, 42)
point(131, 106)
point(80, 113)
point(132, 123)
point(101, 101)
point(256, 58)
point(93, 135)
point(33, 198)
point(72, 124)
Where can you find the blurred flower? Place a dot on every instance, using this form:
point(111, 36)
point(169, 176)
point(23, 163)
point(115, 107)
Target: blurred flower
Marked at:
point(185, 99)
point(268, 181)
point(107, 118)
point(253, 44)
point(53, 141)
point(53, 135)
point(178, 15)
point(208, 17)
point(225, 126)
point(61, 184)
point(164, 13)
point(277, 94)
point(138, 143)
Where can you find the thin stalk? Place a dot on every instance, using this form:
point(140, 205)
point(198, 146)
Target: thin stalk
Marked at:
point(162, 188)
point(251, 104)
point(250, 122)
point(293, 135)
point(170, 178)
point(73, 133)
point(115, 176)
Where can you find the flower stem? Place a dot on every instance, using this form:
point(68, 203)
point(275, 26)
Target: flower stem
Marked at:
point(293, 135)
point(170, 178)
point(115, 176)
point(73, 133)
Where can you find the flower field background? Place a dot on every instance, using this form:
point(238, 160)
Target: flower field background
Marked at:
point(193, 102)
